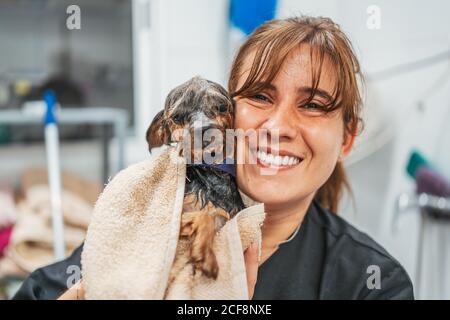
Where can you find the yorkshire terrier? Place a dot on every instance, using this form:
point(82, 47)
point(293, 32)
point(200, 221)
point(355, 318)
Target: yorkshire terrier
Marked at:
point(211, 193)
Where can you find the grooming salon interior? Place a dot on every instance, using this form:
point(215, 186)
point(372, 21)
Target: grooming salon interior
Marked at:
point(81, 81)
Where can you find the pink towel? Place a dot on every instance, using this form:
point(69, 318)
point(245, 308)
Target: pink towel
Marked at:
point(5, 236)
point(7, 206)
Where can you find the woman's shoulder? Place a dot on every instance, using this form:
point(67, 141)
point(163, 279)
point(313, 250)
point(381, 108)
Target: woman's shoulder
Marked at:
point(355, 254)
point(338, 228)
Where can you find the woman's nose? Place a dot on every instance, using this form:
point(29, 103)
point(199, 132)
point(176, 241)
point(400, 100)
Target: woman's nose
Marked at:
point(281, 123)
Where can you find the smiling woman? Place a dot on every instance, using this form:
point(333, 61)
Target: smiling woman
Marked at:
point(307, 65)
point(296, 80)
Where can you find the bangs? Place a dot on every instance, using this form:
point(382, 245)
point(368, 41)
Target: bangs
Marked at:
point(267, 61)
point(271, 46)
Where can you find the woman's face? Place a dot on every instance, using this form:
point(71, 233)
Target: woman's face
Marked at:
point(312, 140)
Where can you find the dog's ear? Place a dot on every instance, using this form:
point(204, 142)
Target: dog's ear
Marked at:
point(157, 134)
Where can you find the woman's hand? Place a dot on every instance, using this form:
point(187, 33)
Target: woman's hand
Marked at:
point(251, 265)
point(76, 292)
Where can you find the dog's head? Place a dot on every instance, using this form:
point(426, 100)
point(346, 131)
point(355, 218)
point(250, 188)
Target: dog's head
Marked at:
point(199, 109)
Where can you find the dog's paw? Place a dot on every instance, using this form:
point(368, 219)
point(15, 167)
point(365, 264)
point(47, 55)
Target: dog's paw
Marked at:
point(200, 228)
point(206, 263)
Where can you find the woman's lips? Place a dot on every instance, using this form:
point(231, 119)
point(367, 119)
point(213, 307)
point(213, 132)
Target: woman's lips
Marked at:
point(281, 160)
point(266, 166)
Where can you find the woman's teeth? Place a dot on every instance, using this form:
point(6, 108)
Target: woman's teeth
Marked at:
point(277, 160)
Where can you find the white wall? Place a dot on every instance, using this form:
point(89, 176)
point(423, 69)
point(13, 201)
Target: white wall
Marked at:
point(188, 39)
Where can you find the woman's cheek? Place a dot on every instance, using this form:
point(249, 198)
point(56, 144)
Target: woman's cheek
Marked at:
point(244, 116)
point(324, 141)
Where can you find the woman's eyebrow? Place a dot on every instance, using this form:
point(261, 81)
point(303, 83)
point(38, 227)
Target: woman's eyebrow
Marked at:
point(265, 85)
point(304, 90)
point(320, 92)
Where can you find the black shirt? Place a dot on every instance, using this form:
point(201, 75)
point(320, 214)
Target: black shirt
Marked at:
point(327, 259)
point(330, 259)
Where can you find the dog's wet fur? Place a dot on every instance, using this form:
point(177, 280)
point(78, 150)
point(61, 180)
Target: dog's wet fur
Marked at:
point(211, 195)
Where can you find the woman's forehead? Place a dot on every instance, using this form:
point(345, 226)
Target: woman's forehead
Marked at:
point(297, 69)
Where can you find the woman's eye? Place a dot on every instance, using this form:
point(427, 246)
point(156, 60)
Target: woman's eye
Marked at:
point(260, 97)
point(314, 106)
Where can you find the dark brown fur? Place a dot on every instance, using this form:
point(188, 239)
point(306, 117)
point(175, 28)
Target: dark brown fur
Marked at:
point(211, 196)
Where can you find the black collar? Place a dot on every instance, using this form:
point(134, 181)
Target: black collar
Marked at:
point(227, 166)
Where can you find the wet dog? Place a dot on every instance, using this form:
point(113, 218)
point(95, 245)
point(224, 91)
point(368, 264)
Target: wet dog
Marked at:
point(201, 110)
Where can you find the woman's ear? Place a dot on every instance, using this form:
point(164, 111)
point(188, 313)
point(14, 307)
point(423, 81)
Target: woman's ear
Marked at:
point(349, 139)
point(156, 134)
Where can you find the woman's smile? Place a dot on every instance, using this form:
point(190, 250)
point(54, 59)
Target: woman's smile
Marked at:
point(276, 159)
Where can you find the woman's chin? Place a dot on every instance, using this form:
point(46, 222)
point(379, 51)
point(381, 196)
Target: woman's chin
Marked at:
point(272, 198)
point(272, 190)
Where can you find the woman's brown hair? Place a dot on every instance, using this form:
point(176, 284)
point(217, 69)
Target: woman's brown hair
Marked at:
point(272, 42)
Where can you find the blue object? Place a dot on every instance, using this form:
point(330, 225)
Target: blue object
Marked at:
point(227, 166)
point(247, 15)
point(416, 160)
point(50, 100)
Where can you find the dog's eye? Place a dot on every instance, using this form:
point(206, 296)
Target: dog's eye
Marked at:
point(177, 119)
point(223, 108)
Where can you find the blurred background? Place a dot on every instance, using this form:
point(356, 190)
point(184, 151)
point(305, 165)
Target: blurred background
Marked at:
point(111, 64)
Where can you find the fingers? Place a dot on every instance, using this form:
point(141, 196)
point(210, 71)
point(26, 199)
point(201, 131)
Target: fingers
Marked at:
point(251, 265)
point(76, 292)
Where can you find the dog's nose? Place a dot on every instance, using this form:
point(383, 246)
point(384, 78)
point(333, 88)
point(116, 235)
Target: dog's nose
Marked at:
point(207, 137)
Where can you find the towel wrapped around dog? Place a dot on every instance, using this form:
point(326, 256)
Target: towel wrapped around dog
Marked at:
point(132, 248)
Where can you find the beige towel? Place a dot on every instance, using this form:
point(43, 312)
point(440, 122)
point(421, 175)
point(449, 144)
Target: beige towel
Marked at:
point(32, 238)
point(83, 188)
point(132, 249)
point(31, 245)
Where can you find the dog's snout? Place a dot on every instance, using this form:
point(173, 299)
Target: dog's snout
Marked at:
point(208, 128)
